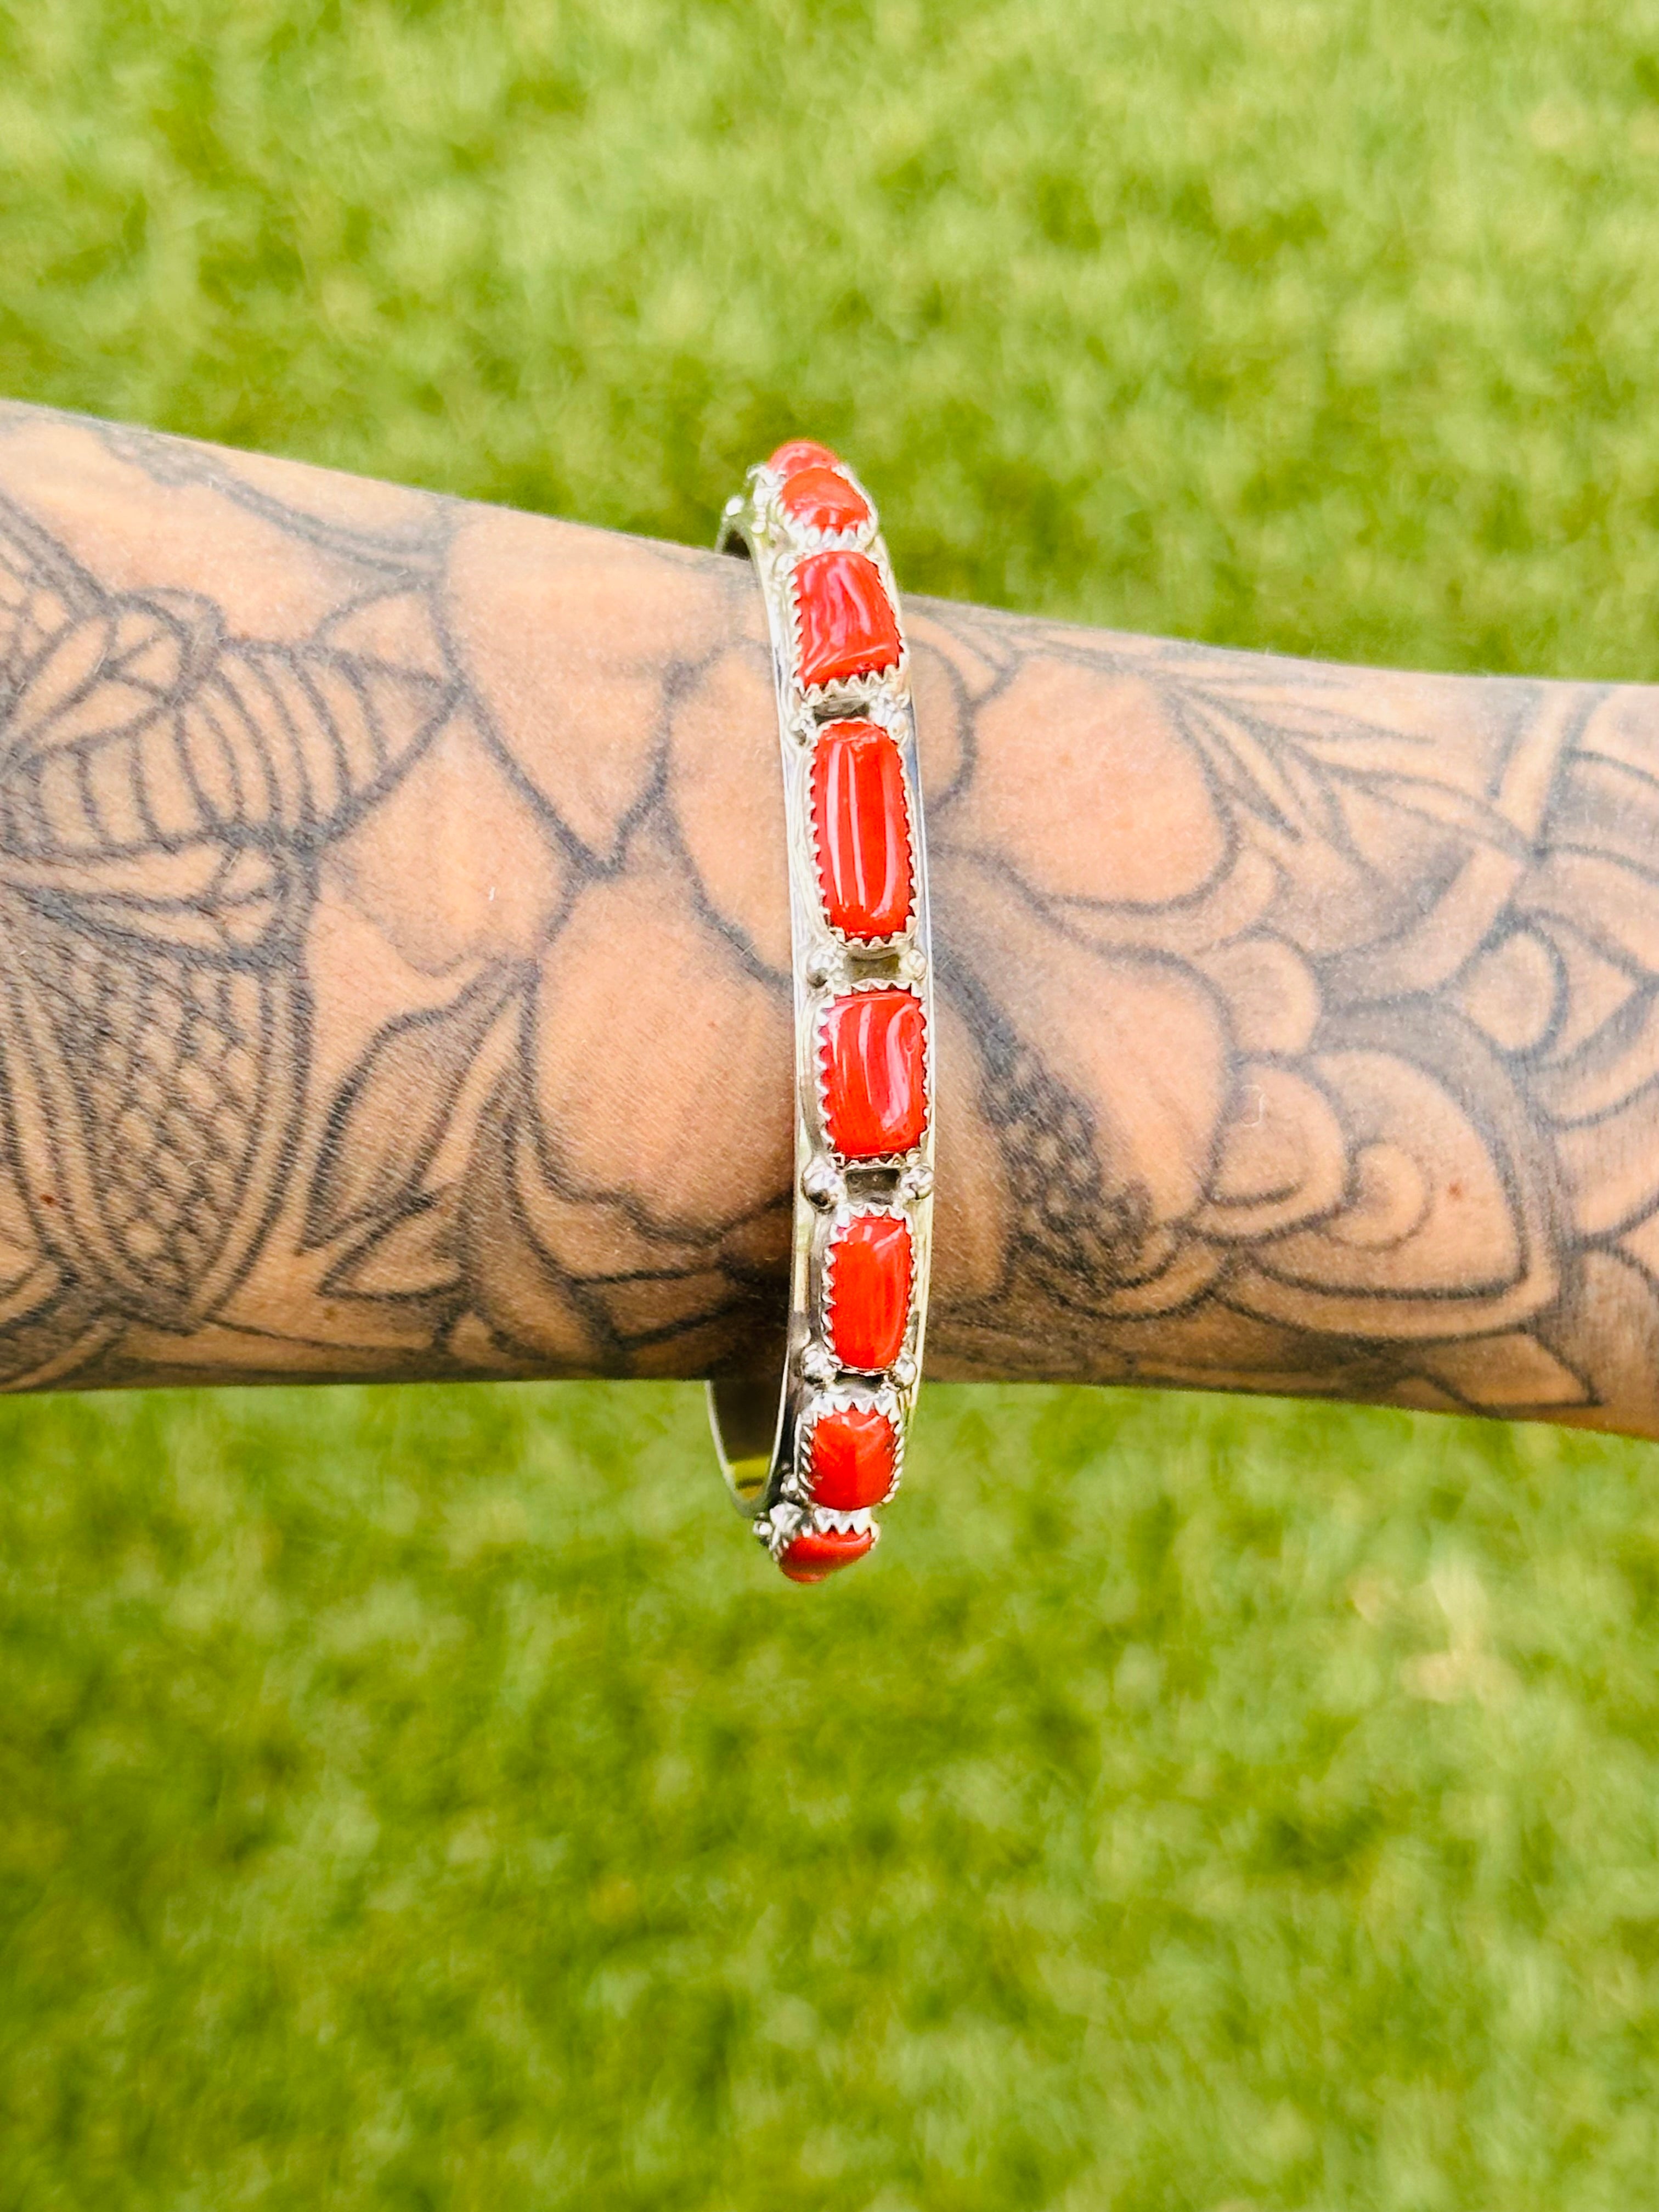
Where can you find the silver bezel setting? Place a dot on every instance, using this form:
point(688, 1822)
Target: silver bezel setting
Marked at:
point(837, 695)
point(807, 537)
point(846, 1214)
point(853, 988)
point(898, 939)
point(861, 1396)
point(829, 1190)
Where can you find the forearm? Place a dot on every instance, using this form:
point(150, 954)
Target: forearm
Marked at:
point(395, 972)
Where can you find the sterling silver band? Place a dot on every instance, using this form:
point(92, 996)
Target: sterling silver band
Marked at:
point(822, 1434)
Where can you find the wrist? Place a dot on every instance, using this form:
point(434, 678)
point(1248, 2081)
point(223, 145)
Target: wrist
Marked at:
point(622, 754)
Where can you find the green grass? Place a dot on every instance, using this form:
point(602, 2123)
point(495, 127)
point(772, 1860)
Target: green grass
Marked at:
point(423, 1800)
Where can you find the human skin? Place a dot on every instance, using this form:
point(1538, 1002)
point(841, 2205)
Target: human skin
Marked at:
point(394, 974)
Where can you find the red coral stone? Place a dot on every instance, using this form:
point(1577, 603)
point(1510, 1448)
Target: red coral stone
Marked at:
point(810, 1558)
point(861, 821)
point(822, 499)
point(873, 1049)
point(801, 454)
point(855, 1450)
point(848, 626)
point(870, 1264)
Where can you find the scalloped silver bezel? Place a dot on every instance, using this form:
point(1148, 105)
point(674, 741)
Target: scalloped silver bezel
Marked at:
point(780, 1525)
point(845, 1215)
point(848, 1164)
point(805, 537)
point(862, 1397)
point(900, 938)
point(826, 700)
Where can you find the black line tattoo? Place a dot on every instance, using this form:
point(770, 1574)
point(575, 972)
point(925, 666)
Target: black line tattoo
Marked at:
point(1387, 1044)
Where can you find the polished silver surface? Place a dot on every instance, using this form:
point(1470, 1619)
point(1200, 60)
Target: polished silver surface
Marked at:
point(761, 1433)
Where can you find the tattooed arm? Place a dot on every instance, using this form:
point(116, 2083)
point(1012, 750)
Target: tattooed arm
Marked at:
point(393, 972)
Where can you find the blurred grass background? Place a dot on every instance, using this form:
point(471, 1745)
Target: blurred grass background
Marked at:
point(424, 1799)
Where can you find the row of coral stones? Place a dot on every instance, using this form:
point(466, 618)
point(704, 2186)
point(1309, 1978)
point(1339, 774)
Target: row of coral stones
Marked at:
point(871, 1056)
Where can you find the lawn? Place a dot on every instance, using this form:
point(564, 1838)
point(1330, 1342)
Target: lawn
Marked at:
point(424, 1799)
